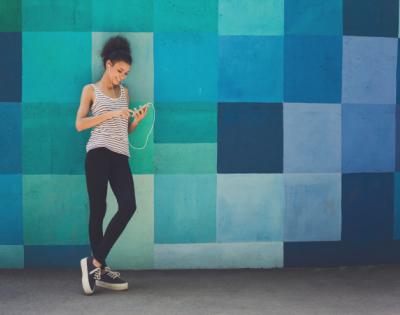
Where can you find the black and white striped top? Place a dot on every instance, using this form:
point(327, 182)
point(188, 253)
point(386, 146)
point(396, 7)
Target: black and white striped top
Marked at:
point(112, 133)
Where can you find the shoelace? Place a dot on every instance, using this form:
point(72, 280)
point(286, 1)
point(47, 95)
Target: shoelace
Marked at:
point(97, 273)
point(113, 274)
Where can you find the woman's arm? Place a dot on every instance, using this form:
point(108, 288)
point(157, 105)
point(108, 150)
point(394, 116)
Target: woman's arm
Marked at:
point(82, 121)
point(132, 126)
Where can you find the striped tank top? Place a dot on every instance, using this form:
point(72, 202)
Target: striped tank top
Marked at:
point(111, 133)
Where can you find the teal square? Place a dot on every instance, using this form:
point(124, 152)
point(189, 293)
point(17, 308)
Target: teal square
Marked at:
point(251, 17)
point(10, 15)
point(56, 66)
point(185, 208)
point(55, 210)
point(314, 17)
point(122, 16)
point(12, 256)
point(56, 15)
point(185, 16)
point(50, 142)
point(194, 158)
point(184, 122)
point(140, 80)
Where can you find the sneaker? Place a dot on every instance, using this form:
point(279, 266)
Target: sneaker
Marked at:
point(90, 274)
point(111, 280)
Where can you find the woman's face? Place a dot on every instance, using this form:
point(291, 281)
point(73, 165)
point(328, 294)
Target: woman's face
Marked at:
point(118, 71)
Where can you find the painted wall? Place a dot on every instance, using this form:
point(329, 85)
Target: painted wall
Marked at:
point(275, 144)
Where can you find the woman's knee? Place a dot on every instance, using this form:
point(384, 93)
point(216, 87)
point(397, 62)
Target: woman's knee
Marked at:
point(127, 207)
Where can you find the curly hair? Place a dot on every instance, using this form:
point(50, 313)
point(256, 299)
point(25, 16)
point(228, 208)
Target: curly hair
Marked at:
point(116, 48)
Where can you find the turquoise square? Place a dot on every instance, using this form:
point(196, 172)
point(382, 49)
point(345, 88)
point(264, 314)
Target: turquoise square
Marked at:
point(185, 207)
point(185, 16)
point(250, 207)
point(313, 17)
point(56, 15)
point(61, 151)
point(251, 17)
point(56, 66)
point(122, 16)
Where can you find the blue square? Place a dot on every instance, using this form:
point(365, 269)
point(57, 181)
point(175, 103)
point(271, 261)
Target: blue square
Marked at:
point(185, 207)
point(11, 224)
point(11, 138)
point(367, 205)
point(253, 144)
point(313, 66)
point(185, 67)
point(250, 207)
point(313, 207)
point(56, 66)
point(11, 67)
point(369, 70)
point(368, 138)
point(313, 17)
point(396, 225)
point(312, 141)
point(55, 256)
point(250, 69)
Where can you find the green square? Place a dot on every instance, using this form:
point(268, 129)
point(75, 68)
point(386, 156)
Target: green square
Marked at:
point(50, 142)
point(122, 16)
point(185, 16)
point(134, 248)
point(56, 15)
point(185, 158)
point(55, 210)
point(10, 15)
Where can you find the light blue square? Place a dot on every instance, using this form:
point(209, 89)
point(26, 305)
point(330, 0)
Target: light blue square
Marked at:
point(369, 70)
point(185, 207)
point(368, 138)
point(312, 138)
point(56, 66)
point(250, 207)
point(251, 17)
point(186, 67)
point(250, 69)
point(313, 207)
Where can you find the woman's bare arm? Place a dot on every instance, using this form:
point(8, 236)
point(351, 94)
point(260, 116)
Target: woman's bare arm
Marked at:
point(82, 121)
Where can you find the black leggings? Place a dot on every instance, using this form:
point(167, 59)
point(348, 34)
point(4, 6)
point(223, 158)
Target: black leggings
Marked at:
point(103, 165)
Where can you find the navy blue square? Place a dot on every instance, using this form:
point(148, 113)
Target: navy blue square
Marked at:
point(54, 256)
point(371, 17)
point(250, 138)
point(334, 254)
point(367, 206)
point(11, 138)
point(397, 139)
point(11, 67)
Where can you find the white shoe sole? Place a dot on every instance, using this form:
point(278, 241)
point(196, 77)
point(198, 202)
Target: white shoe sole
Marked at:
point(85, 277)
point(117, 287)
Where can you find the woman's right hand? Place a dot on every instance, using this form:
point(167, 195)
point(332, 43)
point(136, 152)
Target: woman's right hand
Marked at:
point(125, 113)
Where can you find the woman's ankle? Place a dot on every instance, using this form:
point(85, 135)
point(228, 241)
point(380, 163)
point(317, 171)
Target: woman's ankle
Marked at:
point(96, 263)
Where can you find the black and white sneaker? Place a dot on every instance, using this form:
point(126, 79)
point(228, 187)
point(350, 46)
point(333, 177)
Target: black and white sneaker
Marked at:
point(90, 274)
point(112, 280)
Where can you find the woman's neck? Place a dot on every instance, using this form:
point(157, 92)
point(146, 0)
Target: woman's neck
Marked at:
point(106, 83)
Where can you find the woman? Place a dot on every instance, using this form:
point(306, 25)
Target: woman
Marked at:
point(107, 160)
